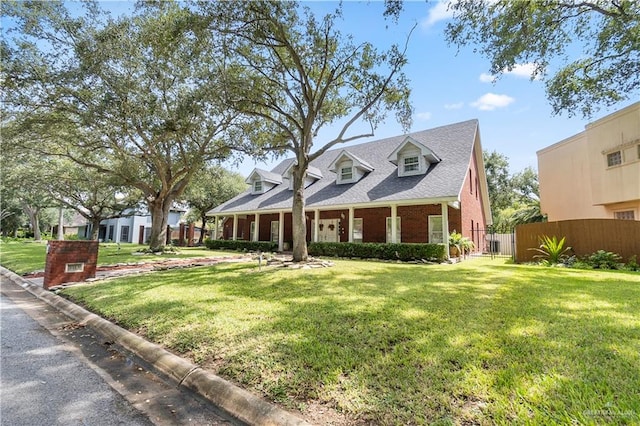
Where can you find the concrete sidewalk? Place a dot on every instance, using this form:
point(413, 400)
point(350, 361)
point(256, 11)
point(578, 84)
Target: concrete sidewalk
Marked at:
point(236, 401)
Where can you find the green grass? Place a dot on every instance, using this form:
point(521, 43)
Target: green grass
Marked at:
point(25, 257)
point(481, 342)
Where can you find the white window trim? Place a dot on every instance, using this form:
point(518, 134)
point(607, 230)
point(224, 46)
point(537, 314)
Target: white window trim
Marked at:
point(402, 169)
point(619, 151)
point(632, 211)
point(346, 170)
point(430, 230)
point(255, 188)
point(275, 224)
point(361, 226)
point(398, 229)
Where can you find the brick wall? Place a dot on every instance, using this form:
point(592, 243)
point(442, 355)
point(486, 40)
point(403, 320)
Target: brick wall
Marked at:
point(414, 223)
point(472, 213)
point(62, 253)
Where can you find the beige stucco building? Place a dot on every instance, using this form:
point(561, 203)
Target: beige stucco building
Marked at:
point(596, 173)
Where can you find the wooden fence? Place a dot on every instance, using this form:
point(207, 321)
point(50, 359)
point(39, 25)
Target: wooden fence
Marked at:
point(585, 236)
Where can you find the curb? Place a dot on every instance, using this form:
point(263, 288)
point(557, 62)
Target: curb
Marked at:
point(236, 401)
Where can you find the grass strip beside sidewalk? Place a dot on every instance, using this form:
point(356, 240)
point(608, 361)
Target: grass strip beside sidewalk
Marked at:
point(479, 342)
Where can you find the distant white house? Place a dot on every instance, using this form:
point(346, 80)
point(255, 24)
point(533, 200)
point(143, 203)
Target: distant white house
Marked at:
point(130, 229)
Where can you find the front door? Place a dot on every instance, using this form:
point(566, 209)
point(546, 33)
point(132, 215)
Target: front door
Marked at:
point(328, 230)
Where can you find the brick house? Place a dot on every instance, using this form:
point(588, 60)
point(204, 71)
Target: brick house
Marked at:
point(428, 183)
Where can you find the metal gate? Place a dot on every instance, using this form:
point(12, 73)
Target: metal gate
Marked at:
point(488, 242)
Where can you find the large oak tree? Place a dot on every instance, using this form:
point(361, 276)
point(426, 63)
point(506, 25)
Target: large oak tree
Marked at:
point(138, 98)
point(303, 75)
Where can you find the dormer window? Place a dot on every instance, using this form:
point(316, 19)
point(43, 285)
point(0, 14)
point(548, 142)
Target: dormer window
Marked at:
point(411, 164)
point(412, 158)
point(349, 168)
point(313, 174)
point(261, 181)
point(346, 173)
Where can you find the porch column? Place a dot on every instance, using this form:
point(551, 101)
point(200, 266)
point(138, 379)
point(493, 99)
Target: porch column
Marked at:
point(445, 228)
point(215, 228)
point(235, 227)
point(281, 232)
point(316, 225)
point(256, 229)
point(351, 213)
point(394, 228)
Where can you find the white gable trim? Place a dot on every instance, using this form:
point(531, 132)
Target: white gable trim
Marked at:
point(357, 162)
point(265, 176)
point(425, 152)
point(267, 180)
point(345, 160)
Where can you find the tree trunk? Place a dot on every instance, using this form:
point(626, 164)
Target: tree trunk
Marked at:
point(61, 224)
point(33, 220)
point(299, 222)
point(95, 228)
point(204, 224)
point(159, 210)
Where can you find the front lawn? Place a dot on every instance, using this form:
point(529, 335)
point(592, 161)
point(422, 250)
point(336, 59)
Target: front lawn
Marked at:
point(481, 342)
point(24, 257)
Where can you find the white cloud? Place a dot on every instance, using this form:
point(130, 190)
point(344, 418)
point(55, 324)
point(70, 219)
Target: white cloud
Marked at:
point(423, 116)
point(522, 70)
point(439, 12)
point(457, 105)
point(519, 70)
point(486, 78)
point(491, 101)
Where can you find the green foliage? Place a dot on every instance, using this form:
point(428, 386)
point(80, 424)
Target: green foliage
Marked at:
point(552, 250)
point(463, 244)
point(632, 264)
point(210, 187)
point(305, 75)
point(23, 256)
point(264, 246)
point(140, 98)
point(479, 342)
point(604, 260)
point(598, 44)
point(404, 252)
point(514, 198)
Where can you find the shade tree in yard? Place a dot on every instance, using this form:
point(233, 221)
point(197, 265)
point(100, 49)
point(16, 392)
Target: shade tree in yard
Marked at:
point(588, 52)
point(300, 74)
point(210, 187)
point(138, 98)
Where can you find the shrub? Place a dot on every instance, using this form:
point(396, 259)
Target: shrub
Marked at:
point(404, 252)
point(463, 244)
point(604, 260)
point(632, 264)
point(265, 246)
point(552, 250)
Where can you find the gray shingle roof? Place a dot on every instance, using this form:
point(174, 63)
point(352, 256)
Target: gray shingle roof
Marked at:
point(452, 143)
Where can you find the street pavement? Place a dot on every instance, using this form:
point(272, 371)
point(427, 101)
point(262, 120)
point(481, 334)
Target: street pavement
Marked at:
point(57, 372)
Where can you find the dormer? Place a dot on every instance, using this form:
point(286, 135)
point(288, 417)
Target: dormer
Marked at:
point(412, 158)
point(349, 168)
point(261, 181)
point(313, 174)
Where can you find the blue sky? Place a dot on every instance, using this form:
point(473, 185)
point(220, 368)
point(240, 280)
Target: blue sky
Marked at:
point(448, 85)
point(451, 85)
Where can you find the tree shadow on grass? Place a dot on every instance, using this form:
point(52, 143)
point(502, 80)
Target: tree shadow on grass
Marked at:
point(394, 344)
point(445, 348)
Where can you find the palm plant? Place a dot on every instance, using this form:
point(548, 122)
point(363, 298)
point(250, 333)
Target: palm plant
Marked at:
point(552, 250)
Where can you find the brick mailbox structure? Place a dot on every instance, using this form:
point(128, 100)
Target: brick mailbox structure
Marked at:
point(70, 261)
